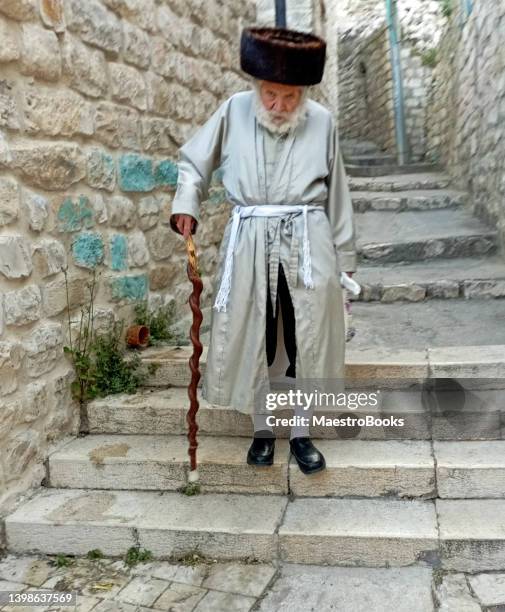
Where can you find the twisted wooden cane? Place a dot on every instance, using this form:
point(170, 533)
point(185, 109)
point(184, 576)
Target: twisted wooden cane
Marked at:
point(194, 302)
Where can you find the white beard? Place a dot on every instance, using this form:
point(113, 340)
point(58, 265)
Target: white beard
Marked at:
point(289, 123)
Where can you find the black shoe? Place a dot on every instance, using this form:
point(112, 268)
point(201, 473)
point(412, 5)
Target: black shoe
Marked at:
point(261, 451)
point(309, 459)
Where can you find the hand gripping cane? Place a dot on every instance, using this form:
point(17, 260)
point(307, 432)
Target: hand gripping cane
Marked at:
point(194, 302)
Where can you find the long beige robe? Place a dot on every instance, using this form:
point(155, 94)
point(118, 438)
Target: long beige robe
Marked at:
point(310, 170)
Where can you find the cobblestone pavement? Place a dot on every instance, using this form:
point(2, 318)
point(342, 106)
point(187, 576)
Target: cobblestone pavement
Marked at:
point(203, 585)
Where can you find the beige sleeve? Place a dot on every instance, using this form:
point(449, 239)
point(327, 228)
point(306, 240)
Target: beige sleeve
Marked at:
point(339, 209)
point(197, 159)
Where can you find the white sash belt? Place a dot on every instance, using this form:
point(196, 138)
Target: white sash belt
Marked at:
point(263, 210)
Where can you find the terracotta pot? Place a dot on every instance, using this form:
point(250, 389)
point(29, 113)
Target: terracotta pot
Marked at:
point(137, 336)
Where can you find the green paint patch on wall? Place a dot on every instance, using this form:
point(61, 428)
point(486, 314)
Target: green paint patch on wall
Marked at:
point(136, 173)
point(87, 249)
point(75, 214)
point(166, 173)
point(119, 252)
point(131, 288)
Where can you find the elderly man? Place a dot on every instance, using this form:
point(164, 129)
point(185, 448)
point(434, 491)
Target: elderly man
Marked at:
point(290, 235)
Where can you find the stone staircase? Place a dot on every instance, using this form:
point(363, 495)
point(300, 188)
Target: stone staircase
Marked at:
point(424, 256)
point(430, 493)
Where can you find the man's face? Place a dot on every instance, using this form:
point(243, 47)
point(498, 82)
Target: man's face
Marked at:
point(280, 100)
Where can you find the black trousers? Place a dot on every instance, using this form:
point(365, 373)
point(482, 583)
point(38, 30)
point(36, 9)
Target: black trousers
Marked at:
point(288, 324)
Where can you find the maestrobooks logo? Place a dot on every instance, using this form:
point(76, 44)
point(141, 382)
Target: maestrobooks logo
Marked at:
point(393, 408)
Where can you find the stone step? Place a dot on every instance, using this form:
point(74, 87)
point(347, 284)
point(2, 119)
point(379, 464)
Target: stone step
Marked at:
point(472, 534)
point(385, 237)
point(400, 182)
point(375, 159)
point(425, 415)
point(160, 463)
point(379, 354)
point(468, 469)
point(164, 412)
point(388, 169)
point(74, 521)
point(399, 201)
point(369, 532)
point(462, 325)
point(170, 365)
point(363, 147)
point(461, 535)
point(465, 277)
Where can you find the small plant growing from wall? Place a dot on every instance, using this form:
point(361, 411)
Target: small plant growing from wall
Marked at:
point(159, 321)
point(429, 58)
point(446, 7)
point(98, 359)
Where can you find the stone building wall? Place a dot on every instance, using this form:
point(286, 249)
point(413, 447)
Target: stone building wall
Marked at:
point(466, 126)
point(364, 49)
point(366, 96)
point(96, 97)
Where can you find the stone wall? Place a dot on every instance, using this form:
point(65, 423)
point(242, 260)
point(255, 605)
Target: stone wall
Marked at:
point(96, 96)
point(364, 52)
point(467, 107)
point(366, 95)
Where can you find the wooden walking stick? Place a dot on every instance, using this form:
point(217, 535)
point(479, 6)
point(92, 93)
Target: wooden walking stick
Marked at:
point(194, 302)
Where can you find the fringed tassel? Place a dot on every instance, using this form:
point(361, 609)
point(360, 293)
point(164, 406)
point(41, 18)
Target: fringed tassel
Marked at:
point(307, 264)
point(225, 287)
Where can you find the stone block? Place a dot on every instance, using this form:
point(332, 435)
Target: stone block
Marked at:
point(49, 257)
point(15, 257)
point(21, 450)
point(161, 277)
point(141, 12)
point(148, 212)
point(5, 154)
point(161, 241)
point(88, 249)
point(43, 349)
point(128, 85)
point(9, 50)
point(136, 173)
point(11, 356)
point(160, 99)
point(8, 108)
point(52, 14)
point(40, 53)
point(118, 253)
point(54, 295)
point(57, 113)
point(51, 166)
point(21, 10)
point(136, 48)
point(157, 135)
point(34, 404)
point(165, 173)
point(138, 253)
point(129, 288)
point(94, 24)
point(121, 212)
point(75, 213)
point(85, 67)
point(9, 201)
point(22, 306)
point(36, 210)
point(101, 170)
point(117, 126)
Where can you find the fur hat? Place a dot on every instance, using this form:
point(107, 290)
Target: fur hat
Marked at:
point(282, 55)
